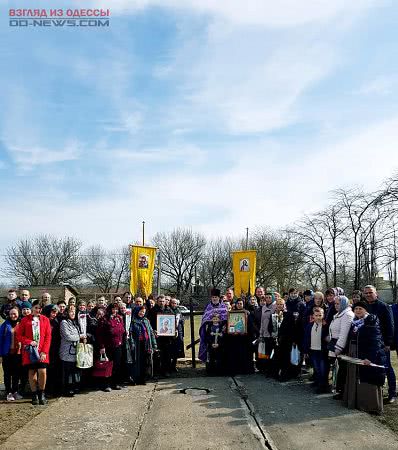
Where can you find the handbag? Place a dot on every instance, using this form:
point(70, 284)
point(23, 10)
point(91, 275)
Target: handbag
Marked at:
point(84, 356)
point(34, 356)
point(295, 356)
point(261, 351)
point(102, 367)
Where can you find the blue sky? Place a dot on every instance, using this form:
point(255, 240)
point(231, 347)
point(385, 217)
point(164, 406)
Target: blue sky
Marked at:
point(211, 114)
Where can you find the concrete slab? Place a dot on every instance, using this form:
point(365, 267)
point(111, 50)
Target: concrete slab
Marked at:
point(214, 413)
point(296, 419)
point(95, 420)
point(217, 420)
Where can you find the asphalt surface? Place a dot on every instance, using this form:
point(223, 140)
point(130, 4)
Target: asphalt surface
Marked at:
point(203, 413)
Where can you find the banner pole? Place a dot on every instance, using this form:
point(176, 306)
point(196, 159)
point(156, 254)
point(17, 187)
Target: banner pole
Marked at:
point(159, 272)
point(192, 323)
point(143, 233)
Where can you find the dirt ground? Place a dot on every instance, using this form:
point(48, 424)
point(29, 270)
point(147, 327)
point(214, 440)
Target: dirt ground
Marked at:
point(15, 415)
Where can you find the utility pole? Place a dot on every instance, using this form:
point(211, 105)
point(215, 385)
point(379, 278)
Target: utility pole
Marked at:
point(247, 239)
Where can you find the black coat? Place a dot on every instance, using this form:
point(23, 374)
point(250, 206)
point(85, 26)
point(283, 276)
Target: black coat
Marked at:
point(152, 315)
point(296, 305)
point(386, 320)
point(370, 346)
point(289, 331)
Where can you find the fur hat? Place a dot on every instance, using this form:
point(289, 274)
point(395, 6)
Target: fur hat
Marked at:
point(215, 292)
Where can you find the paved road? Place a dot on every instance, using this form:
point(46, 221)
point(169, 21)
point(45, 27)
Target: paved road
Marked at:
point(246, 412)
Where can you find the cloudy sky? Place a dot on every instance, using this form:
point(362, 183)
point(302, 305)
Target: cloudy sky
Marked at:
point(212, 114)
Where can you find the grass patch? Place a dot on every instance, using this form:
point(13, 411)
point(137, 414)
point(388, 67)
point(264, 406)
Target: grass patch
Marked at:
point(187, 335)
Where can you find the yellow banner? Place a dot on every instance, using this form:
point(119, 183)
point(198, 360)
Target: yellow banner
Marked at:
point(142, 265)
point(244, 269)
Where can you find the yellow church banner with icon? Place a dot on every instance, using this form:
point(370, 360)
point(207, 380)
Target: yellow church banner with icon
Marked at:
point(244, 270)
point(142, 266)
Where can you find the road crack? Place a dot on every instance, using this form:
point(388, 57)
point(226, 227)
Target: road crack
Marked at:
point(146, 412)
point(241, 390)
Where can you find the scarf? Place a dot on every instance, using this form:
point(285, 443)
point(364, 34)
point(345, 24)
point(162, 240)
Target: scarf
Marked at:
point(82, 317)
point(127, 318)
point(358, 323)
point(140, 328)
point(36, 329)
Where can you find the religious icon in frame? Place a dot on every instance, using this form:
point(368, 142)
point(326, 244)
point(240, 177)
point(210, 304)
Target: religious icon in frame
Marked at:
point(244, 265)
point(166, 325)
point(237, 322)
point(143, 261)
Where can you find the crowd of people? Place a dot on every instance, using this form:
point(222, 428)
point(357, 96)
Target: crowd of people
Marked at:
point(42, 343)
point(347, 343)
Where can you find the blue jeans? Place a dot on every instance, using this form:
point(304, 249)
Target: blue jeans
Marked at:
point(392, 381)
point(319, 362)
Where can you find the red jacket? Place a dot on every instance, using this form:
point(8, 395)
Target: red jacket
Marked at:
point(110, 333)
point(25, 336)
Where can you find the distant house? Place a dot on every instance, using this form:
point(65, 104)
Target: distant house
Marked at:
point(61, 292)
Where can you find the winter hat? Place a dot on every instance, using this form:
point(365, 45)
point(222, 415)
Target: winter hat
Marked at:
point(26, 305)
point(338, 291)
point(362, 304)
point(308, 293)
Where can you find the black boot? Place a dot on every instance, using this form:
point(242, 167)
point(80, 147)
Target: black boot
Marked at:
point(35, 399)
point(42, 398)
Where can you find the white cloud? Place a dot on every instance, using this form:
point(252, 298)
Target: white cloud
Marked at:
point(187, 154)
point(263, 184)
point(23, 133)
point(260, 92)
point(236, 77)
point(383, 85)
point(28, 157)
point(240, 77)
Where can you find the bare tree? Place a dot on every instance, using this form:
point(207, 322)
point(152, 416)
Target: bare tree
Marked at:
point(314, 234)
point(279, 258)
point(181, 250)
point(333, 221)
point(107, 270)
point(216, 265)
point(363, 214)
point(312, 277)
point(43, 260)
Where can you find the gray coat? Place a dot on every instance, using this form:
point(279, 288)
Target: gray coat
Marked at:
point(266, 317)
point(70, 337)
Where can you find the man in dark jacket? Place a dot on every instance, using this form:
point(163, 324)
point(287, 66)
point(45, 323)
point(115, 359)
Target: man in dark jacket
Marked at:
point(294, 303)
point(11, 303)
point(163, 367)
point(386, 320)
